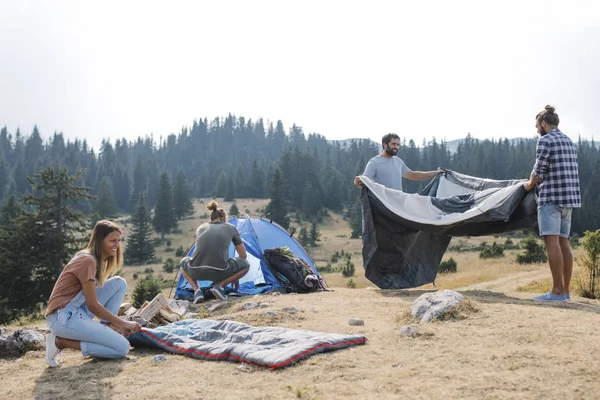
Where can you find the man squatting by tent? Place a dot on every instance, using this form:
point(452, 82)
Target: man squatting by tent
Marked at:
point(210, 261)
point(387, 169)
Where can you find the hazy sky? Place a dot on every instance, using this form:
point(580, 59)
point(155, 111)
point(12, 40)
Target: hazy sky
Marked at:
point(339, 68)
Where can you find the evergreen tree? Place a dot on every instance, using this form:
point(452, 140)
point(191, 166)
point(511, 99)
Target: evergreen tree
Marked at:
point(182, 197)
point(233, 210)
point(303, 237)
point(311, 204)
point(35, 246)
point(356, 220)
point(230, 191)
point(315, 234)
point(145, 290)
point(277, 210)
point(10, 210)
point(3, 177)
point(257, 179)
point(164, 215)
point(105, 205)
point(140, 249)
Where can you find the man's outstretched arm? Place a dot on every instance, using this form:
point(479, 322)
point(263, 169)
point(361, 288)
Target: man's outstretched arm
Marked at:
point(422, 175)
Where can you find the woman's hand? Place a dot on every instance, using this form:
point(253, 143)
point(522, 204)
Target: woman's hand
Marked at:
point(130, 327)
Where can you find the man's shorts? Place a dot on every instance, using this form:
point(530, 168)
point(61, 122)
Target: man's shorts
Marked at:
point(214, 274)
point(554, 220)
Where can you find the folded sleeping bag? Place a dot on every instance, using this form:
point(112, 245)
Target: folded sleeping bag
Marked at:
point(270, 347)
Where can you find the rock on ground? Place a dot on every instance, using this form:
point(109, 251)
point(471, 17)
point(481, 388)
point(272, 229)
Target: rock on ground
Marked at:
point(430, 306)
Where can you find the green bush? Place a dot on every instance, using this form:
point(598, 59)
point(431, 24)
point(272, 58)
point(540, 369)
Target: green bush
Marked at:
point(574, 240)
point(493, 251)
point(135, 275)
point(326, 269)
point(448, 267)
point(145, 290)
point(510, 245)
point(149, 270)
point(156, 242)
point(534, 252)
point(169, 266)
point(180, 252)
point(351, 284)
point(590, 261)
point(348, 269)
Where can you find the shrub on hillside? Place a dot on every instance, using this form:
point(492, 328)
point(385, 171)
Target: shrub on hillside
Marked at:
point(145, 290)
point(590, 260)
point(510, 245)
point(351, 284)
point(448, 267)
point(534, 252)
point(180, 252)
point(326, 269)
point(493, 251)
point(348, 269)
point(169, 266)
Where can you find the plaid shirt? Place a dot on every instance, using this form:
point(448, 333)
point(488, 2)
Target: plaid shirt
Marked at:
point(556, 165)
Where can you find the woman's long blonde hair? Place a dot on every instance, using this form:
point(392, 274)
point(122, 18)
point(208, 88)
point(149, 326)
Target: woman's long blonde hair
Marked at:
point(104, 268)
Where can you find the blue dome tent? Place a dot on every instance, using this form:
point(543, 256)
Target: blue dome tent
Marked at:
point(258, 234)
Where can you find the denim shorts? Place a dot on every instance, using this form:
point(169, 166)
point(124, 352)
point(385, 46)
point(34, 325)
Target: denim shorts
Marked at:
point(554, 220)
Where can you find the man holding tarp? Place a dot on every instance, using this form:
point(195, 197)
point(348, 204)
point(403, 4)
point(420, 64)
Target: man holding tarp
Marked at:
point(387, 168)
point(556, 175)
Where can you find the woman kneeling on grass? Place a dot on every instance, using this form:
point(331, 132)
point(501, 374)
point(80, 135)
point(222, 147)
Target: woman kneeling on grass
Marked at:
point(86, 288)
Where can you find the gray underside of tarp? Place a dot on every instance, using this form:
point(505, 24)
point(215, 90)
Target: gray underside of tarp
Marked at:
point(403, 252)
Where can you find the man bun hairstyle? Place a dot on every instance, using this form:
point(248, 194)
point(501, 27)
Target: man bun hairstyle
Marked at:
point(217, 214)
point(549, 115)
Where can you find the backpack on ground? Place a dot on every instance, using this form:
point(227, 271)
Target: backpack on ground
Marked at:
point(294, 273)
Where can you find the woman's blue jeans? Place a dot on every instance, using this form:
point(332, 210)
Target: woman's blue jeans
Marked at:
point(76, 322)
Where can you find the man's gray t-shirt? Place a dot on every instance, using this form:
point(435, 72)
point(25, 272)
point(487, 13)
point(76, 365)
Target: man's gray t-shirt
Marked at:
point(386, 171)
point(212, 244)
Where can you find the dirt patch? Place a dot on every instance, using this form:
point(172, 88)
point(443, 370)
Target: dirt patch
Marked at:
point(511, 348)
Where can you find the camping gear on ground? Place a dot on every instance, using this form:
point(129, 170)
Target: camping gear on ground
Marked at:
point(271, 347)
point(406, 235)
point(258, 234)
point(293, 272)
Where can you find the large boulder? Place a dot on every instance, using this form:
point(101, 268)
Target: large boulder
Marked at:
point(20, 341)
point(431, 306)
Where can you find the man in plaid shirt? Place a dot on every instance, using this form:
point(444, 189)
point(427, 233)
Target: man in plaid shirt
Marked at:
point(556, 175)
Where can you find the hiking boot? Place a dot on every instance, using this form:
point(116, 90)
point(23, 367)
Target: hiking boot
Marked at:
point(218, 292)
point(198, 296)
point(51, 351)
point(551, 297)
point(567, 296)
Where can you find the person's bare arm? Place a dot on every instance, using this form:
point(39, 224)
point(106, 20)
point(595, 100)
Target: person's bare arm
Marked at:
point(422, 175)
point(357, 182)
point(241, 250)
point(533, 180)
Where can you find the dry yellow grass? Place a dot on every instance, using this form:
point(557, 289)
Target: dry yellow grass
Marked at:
point(501, 345)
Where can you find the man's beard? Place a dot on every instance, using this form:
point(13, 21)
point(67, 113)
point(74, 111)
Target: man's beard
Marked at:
point(390, 151)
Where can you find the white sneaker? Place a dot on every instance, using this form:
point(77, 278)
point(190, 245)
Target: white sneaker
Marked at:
point(51, 351)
